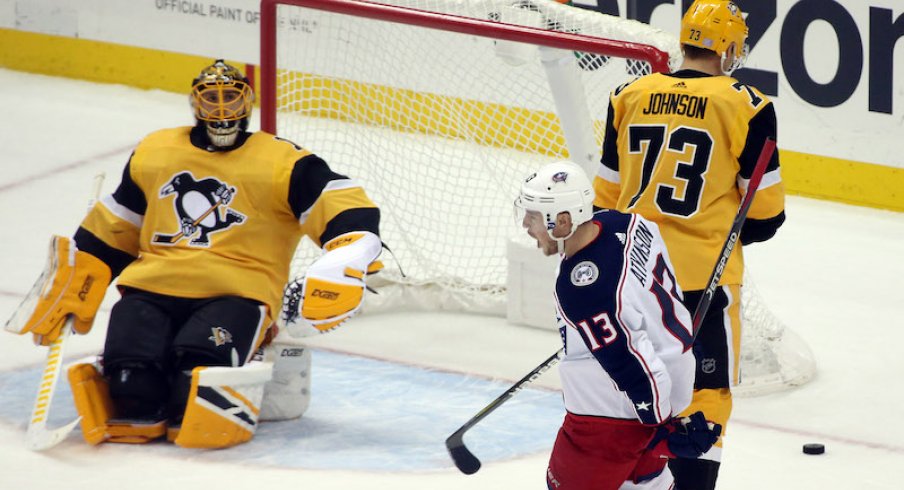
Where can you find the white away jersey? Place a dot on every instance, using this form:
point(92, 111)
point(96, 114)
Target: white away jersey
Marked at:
point(627, 335)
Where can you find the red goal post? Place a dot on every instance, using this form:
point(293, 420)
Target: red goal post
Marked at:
point(658, 59)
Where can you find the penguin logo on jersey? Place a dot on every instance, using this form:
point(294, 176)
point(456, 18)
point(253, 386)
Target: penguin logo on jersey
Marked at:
point(220, 336)
point(202, 207)
point(584, 274)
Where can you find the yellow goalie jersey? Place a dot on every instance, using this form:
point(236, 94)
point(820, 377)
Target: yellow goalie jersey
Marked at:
point(193, 223)
point(679, 150)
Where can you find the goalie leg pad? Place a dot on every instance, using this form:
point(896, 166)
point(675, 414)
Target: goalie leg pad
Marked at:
point(92, 400)
point(91, 394)
point(73, 283)
point(288, 394)
point(223, 405)
point(134, 431)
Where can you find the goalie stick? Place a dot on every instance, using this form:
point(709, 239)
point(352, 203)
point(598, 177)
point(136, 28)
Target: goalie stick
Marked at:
point(38, 437)
point(465, 460)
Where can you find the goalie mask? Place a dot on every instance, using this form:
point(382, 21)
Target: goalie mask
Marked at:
point(556, 188)
point(221, 99)
point(716, 25)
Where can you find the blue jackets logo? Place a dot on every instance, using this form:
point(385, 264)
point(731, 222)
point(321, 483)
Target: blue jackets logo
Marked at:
point(584, 274)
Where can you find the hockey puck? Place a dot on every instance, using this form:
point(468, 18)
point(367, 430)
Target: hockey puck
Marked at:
point(814, 449)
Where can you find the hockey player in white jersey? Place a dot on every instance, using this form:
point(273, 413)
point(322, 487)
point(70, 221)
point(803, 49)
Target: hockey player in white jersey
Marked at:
point(628, 367)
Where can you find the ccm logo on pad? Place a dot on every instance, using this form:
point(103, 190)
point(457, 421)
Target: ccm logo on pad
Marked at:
point(320, 293)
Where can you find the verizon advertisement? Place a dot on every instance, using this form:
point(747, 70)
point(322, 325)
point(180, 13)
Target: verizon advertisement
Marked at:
point(831, 67)
point(835, 69)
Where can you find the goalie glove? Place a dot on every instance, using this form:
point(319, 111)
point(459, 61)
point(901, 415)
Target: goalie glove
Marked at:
point(73, 283)
point(685, 437)
point(332, 288)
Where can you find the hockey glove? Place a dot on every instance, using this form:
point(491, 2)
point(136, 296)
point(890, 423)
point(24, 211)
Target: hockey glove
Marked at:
point(686, 437)
point(73, 283)
point(332, 289)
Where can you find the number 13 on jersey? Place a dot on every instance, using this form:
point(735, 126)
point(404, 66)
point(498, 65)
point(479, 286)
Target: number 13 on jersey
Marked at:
point(604, 333)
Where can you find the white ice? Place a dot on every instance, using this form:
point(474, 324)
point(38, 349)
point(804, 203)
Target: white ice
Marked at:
point(832, 274)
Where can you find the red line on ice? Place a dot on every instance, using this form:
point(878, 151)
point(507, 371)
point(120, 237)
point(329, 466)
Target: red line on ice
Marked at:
point(62, 168)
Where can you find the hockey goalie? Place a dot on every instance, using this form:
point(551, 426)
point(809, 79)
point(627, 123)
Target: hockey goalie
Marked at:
point(199, 235)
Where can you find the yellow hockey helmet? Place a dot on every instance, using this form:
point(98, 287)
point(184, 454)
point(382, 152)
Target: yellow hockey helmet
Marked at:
point(222, 98)
point(716, 25)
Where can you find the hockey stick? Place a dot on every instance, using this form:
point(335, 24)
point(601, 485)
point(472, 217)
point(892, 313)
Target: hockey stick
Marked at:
point(464, 459)
point(38, 437)
point(733, 235)
point(469, 464)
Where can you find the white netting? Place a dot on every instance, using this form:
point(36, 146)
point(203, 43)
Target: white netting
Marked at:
point(441, 128)
point(773, 357)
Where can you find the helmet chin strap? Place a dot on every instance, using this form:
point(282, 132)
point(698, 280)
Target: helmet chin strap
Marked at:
point(736, 60)
point(560, 242)
point(725, 60)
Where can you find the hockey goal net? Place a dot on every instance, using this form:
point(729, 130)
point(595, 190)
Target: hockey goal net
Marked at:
point(440, 108)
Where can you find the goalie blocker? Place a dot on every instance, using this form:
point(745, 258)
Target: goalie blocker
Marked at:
point(73, 283)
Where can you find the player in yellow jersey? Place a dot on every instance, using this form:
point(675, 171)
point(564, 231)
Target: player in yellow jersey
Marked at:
point(679, 149)
point(200, 233)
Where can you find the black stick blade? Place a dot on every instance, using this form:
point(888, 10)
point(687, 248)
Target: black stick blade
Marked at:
point(464, 459)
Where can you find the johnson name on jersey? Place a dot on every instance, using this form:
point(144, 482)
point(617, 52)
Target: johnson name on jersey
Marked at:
point(679, 149)
point(627, 335)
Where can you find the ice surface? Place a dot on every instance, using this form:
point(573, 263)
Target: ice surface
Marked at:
point(832, 275)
